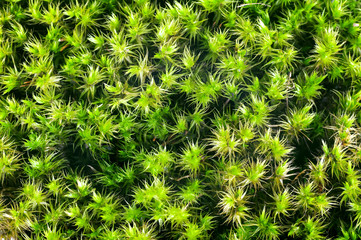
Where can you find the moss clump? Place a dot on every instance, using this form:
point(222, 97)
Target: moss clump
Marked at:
point(212, 119)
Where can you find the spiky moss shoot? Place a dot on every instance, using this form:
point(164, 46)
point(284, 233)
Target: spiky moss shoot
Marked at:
point(309, 87)
point(258, 111)
point(193, 158)
point(233, 204)
point(318, 172)
point(255, 173)
point(312, 228)
point(231, 172)
point(298, 121)
point(191, 192)
point(9, 164)
point(282, 173)
point(283, 204)
point(145, 231)
point(156, 194)
point(156, 163)
point(264, 226)
point(224, 142)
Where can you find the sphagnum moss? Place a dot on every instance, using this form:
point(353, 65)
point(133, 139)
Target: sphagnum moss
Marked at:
point(210, 119)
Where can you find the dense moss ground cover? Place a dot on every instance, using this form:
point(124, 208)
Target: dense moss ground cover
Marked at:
point(209, 119)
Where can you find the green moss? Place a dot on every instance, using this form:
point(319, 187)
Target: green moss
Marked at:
point(209, 119)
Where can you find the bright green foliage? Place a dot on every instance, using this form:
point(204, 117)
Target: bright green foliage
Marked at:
point(309, 86)
point(283, 203)
point(192, 158)
point(298, 121)
point(8, 165)
point(207, 119)
point(265, 228)
point(254, 173)
point(224, 142)
point(233, 204)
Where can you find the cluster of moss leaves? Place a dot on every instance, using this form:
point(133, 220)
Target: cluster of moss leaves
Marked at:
point(208, 119)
